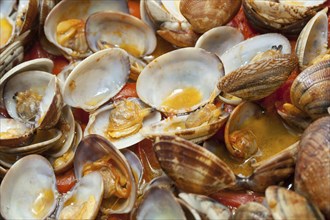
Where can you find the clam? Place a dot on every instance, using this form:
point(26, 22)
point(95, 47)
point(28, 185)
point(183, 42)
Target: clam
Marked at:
point(310, 91)
point(196, 127)
point(84, 200)
point(280, 16)
point(180, 81)
point(152, 207)
point(64, 162)
point(11, 56)
point(312, 174)
point(97, 79)
point(286, 204)
point(67, 30)
point(219, 39)
point(313, 40)
point(205, 15)
point(42, 141)
point(206, 206)
point(14, 133)
point(95, 153)
point(252, 210)
point(121, 30)
point(192, 168)
point(262, 64)
point(122, 131)
point(32, 180)
point(174, 30)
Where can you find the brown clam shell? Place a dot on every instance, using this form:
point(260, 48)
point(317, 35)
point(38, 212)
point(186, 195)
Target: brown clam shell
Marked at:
point(207, 14)
point(252, 210)
point(286, 204)
point(310, 91)
point(259, 79)
point(193, 168)
point(312, 175)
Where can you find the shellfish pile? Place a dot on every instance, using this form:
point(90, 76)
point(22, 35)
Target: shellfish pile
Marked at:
point(181, 109)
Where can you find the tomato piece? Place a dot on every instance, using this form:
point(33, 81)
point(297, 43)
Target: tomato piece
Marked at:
point(233, 199)
point(4, 113)
point(59, 64)
point(129, 90)
point(65, 181)
point(80, 116)
point(118, 217)
point(134, 8)
point(241, 23)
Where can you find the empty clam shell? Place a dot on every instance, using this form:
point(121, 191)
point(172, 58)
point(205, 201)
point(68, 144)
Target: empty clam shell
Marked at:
point(188, 76)
point(30, 187)
point(97, 79)
point(193, 168)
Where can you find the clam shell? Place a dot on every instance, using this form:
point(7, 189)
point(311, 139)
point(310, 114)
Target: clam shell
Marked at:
point(11, 56)
point(196, 134)
point(192, 168)
point(97, 79)
point(14, 133)
point(85, 8)
point(205, 15)
point(152, 207)
point(120, 30)
point(312, 174)
point(94, 147)
point(286, 204)
point(313, 39)
point(219, 39)
point(23, 186)
point(99, 122)
point(179, 69)
point(90, 187)
point(310, 91)
point(43, 140)
point(252, 210)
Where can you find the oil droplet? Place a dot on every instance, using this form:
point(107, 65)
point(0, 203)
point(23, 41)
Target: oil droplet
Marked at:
point(5, 31)
point(42, 204)
point(182, 98)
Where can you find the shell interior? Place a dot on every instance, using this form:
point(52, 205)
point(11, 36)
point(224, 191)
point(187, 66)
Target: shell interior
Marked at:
point(30, 187)
point(97, 79)
point(176, 73)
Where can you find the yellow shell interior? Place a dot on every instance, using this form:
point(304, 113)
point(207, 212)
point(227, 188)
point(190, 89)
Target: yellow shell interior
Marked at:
point(182, 98)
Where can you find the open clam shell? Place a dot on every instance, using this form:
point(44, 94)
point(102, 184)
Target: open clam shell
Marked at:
point(11, 56)
point(253, 79)
point(176, 126)
point(193, 168)
point(218, 40)
point(97, 79)
point(30, 187)
point(14, 133)
point(84, 200)
point(99, 122)
point(42, 141)
point(188, 74)
point(313, 39)
point(93, 148)
point(81, 11)
point(120, 30)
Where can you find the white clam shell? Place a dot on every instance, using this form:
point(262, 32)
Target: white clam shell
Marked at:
point(187, 67)
point(218, 40)
point(89, 186)
point(14, 133)
point(22, 186)
point(120, 30)
point(242, 53)
point(99, 122)
point(97, 79)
